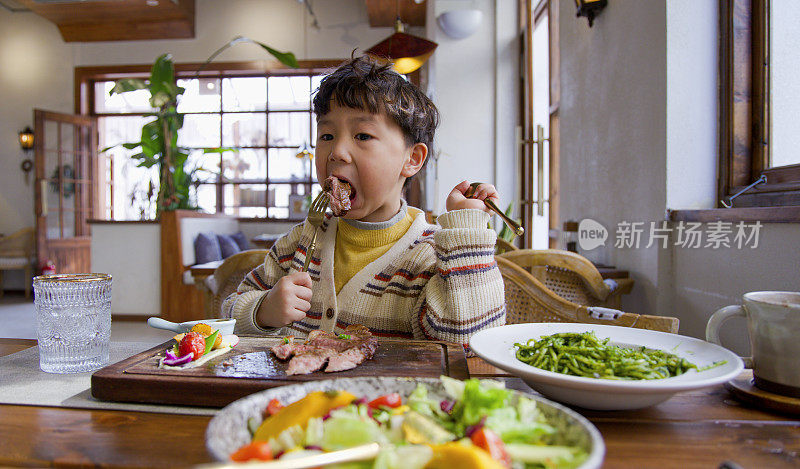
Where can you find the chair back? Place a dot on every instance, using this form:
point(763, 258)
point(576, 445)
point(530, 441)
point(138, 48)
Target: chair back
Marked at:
point(231, 272)
point(570, 276)
point(504, 246)
point(19, 244)
point(529, 300)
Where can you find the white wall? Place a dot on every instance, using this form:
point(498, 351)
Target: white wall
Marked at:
point(613, 121)
point(131, 253)
point(692, 81)
point(473, 83)
point(639, 135)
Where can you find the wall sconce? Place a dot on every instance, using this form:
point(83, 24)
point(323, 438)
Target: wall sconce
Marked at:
point(26, 139)
point(26, 142)
point(590, 9)
point(459, 24)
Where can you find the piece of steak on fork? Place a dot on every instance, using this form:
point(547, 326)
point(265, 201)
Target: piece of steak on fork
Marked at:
point(339, 192)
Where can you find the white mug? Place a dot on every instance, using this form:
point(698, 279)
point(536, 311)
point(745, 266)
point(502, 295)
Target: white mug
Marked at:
point(773, 324)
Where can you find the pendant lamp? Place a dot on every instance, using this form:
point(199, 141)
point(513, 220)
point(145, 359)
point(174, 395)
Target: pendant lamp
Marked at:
point(406, 52)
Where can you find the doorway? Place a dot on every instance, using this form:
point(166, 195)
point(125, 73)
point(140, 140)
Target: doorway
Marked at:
point(65, 151)
point(539, 161)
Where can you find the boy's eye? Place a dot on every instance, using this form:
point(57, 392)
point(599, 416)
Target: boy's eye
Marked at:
point(325, 137)
point(363, 136)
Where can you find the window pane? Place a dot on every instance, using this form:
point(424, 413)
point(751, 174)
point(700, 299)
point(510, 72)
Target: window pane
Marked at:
point(284, 166)
point(199, 130)
point(244, 94)
point(244, 130)
point(289, 128)
point(784, 85)
point(207, 197)
point(119, 130)
point(245, 164)
point(201, 95)
point(132, 101)
point(287, 93)
point(255, 197)
point(205, 165)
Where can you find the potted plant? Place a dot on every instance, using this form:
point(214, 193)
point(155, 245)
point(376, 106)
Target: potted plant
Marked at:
point(159, 141)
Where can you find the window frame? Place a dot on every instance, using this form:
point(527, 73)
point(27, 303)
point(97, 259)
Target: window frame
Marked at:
point(86, 77)
point(744, 110)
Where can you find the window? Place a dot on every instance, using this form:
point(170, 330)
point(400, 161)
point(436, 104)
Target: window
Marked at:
point(760, 97)
point(259, 120)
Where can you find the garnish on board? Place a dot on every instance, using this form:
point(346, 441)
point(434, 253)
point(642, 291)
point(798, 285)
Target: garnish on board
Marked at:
point(198, 345)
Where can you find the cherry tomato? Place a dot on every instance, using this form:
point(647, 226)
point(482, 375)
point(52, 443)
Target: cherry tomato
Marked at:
point(390, 400)
point(274, 406)
point(488, 440)
point(192, 343)
point(256, 450)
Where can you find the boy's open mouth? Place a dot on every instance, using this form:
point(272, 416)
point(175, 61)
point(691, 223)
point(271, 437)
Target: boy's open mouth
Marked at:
point(341, 193)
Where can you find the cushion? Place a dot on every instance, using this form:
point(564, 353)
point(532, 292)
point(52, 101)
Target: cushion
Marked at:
point(241, 240)
point(206, 248)
point(227, 245)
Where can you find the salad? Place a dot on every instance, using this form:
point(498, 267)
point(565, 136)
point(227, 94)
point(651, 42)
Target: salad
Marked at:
point(200, 344)
point(478, 424)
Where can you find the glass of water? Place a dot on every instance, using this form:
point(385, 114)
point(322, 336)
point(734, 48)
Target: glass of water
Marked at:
point(73, 321)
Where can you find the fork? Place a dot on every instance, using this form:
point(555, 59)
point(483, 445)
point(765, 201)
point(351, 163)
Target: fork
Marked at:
point(515, 227)
point(316, 215)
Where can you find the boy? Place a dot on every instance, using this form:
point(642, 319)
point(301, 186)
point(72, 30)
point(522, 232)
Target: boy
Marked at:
point(380, 264)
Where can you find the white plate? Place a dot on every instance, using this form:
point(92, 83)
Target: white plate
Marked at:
point(496, 346)
point(227, 431)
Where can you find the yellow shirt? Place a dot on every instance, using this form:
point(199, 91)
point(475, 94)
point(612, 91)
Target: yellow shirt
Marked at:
point(356, 247)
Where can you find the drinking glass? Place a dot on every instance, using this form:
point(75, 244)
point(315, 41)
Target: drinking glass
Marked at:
point(73, 321)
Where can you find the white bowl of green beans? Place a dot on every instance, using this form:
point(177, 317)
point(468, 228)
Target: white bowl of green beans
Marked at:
point(604, 367)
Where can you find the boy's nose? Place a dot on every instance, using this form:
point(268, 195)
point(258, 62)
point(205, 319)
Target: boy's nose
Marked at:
point(339, 152)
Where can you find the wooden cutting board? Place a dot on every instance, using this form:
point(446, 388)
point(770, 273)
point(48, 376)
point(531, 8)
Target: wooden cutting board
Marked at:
point(251, 367)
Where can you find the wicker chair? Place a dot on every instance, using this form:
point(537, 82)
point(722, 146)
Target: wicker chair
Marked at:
point(529, 299)
point(230, 274)
point(17, 253)
point(504, 246)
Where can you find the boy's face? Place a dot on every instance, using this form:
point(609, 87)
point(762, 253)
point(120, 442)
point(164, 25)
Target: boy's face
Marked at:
point(368, 151)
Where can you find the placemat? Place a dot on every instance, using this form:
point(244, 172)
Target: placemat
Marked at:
point(22, 382)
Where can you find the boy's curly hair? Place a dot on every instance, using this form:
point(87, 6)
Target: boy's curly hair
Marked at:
point(362, 83)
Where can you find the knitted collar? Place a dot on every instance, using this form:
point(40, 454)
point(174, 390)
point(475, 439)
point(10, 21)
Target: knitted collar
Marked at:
point(380, 225)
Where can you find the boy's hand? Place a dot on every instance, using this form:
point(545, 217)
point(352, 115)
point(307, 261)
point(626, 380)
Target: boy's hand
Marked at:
point(458, 200)
point(288, 301)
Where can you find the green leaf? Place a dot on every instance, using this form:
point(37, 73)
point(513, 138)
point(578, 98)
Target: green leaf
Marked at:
point(219, 150)
point(286, 58)
point(163, 70)
point(128, 84)
point(129, 146)
point(210, 341)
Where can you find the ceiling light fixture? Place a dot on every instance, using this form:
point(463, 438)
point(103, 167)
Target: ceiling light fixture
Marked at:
point(405, 51)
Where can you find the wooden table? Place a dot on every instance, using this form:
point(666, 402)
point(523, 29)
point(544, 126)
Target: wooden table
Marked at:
point(693, 429)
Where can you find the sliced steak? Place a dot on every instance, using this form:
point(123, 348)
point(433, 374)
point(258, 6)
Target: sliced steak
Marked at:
point(339, 192)
point(346, 360)
point(309, 362)
point(321, 347)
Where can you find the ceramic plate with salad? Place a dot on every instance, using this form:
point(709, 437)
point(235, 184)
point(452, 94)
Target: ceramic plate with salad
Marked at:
point(424, 422)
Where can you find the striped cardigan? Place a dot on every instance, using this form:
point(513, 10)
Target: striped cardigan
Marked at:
point(436, 282)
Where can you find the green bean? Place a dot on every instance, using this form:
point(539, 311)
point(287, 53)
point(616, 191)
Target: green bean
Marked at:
point(585, 355)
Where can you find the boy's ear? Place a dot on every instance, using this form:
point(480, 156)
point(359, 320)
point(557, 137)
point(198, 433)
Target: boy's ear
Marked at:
point(415, 160)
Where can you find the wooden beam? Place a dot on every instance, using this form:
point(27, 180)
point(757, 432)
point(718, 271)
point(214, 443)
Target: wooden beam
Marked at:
point(118, 20)
point(384, 12)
